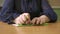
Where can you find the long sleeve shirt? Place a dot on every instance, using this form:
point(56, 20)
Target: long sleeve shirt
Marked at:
point(13, 8)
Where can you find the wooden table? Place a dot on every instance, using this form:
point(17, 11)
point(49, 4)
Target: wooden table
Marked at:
point(52, 28)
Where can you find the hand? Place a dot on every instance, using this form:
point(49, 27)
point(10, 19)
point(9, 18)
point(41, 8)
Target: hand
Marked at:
point(23, 18)
point(40, 20)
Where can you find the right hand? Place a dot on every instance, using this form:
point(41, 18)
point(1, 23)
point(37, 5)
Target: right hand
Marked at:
point(23, 18)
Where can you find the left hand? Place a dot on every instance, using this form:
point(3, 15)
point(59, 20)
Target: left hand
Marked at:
point(40, 20)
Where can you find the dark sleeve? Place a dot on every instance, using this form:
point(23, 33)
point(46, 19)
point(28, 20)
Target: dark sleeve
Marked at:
point(7, 13)
point(48, 11)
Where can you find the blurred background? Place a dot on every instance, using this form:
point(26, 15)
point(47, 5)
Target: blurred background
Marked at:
point(55, 4)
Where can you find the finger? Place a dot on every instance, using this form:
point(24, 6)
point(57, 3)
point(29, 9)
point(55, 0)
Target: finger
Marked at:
point(38, 21)
point(21, 20)
point(27, 15)
point(42, 21)
point(16, 21)
point(28, 21)
point(34, 20)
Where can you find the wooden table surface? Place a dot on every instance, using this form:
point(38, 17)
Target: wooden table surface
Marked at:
point(51, 28)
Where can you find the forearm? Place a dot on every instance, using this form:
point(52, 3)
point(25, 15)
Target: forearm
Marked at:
point(48, 11)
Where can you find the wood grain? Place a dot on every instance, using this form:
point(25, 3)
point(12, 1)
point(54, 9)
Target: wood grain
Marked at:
point(52, 28)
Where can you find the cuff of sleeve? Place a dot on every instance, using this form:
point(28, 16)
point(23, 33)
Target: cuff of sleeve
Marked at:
point(53, 18)
point(15, 15)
